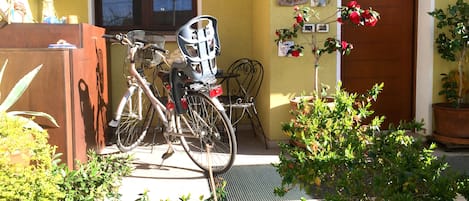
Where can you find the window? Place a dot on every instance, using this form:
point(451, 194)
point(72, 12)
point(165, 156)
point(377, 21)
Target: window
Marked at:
point(163, 16)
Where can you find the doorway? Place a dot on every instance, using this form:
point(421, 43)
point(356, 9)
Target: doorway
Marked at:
point(384, 53)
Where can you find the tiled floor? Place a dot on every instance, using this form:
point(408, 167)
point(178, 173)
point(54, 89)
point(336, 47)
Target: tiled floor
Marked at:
point(179, 176)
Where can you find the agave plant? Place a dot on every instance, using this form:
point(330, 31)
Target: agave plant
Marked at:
point(17, 91)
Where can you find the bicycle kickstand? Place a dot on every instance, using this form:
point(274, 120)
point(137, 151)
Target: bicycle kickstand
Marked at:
point(169, 152)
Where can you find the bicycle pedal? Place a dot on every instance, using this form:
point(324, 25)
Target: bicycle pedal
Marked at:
point(167, 154)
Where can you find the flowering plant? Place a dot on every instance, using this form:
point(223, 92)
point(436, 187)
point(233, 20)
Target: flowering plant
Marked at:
point(352, 13)
point(285, 34)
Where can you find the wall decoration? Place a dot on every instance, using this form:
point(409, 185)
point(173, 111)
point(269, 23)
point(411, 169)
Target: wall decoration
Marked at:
point(307, 28)
point(291, 2)
point(283, 47)
point(318, 3)
point(322, 28)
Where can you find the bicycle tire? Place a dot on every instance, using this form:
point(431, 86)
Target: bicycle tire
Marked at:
point(211, 126)
point(132, 128)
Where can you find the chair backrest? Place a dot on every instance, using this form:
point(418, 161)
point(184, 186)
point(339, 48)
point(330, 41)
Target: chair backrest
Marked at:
point(251, 74)
point(199, 44)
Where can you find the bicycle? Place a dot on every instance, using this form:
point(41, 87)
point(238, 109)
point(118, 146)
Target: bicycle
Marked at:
point(190, 110)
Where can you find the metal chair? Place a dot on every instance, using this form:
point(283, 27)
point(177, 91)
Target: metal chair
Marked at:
point(242, 85)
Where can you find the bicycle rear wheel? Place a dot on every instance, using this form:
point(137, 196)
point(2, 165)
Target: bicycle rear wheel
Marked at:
point(135, 119)
point(211, 128)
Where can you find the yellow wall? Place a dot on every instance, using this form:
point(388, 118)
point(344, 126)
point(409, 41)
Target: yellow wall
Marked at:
point(63, 8)
point(291, 76)
point(261, 48)
point(76, 7)
point(234, 28)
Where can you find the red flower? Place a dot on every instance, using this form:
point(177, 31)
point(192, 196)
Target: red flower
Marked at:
point(355, 17)
point(344, 44)
point(366, 14)
point(353, 4)
point(371, 22)
point(299, 18)
point(295, 53)
point(339, 20)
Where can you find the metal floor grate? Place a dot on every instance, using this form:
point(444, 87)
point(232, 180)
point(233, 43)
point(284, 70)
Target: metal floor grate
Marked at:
point(256, 183)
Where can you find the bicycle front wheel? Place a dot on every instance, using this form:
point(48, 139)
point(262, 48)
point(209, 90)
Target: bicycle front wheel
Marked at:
point(211, 129)
point(136, 116)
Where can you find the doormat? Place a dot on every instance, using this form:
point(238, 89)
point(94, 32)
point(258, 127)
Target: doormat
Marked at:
point(257, 183)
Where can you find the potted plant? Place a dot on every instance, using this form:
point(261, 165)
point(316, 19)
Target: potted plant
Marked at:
point(337, 157)
point(451, 117)
point(351, 13)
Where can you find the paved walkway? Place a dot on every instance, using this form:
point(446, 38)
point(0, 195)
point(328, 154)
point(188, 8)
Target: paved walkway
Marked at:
point(178, 175)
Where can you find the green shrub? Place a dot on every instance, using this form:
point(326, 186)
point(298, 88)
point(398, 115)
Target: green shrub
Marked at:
point(98, 179)
point(338, 157)
point(44, 177)
point(35, 180)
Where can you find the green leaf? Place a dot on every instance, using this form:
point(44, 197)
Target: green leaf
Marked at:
point(1, 75)
point(3, 70)
point(19, 89)
point(37, 114)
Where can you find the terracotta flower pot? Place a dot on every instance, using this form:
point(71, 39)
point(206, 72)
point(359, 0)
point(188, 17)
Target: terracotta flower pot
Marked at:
point(20, 156)
point(451, 124)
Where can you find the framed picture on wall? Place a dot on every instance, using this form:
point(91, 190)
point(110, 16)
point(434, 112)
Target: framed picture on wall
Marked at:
point(291, 2)
point(307, 28)
point(322, 27)
point(318, 3)
point(283, 47)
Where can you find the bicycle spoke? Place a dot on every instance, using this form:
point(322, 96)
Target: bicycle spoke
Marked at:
point(212, 128)
point(134, 122)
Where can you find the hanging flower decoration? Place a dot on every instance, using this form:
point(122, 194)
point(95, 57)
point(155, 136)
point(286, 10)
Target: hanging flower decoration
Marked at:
point(356, 15)
point(350, 13)
point(331, 45)
point(285, 34)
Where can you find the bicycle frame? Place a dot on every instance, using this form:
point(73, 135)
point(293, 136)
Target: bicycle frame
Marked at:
point(192, 112)
point(171, 121)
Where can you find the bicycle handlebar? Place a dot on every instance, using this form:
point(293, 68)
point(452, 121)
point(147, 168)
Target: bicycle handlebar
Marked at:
point(123, 39)
point(118, 37)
